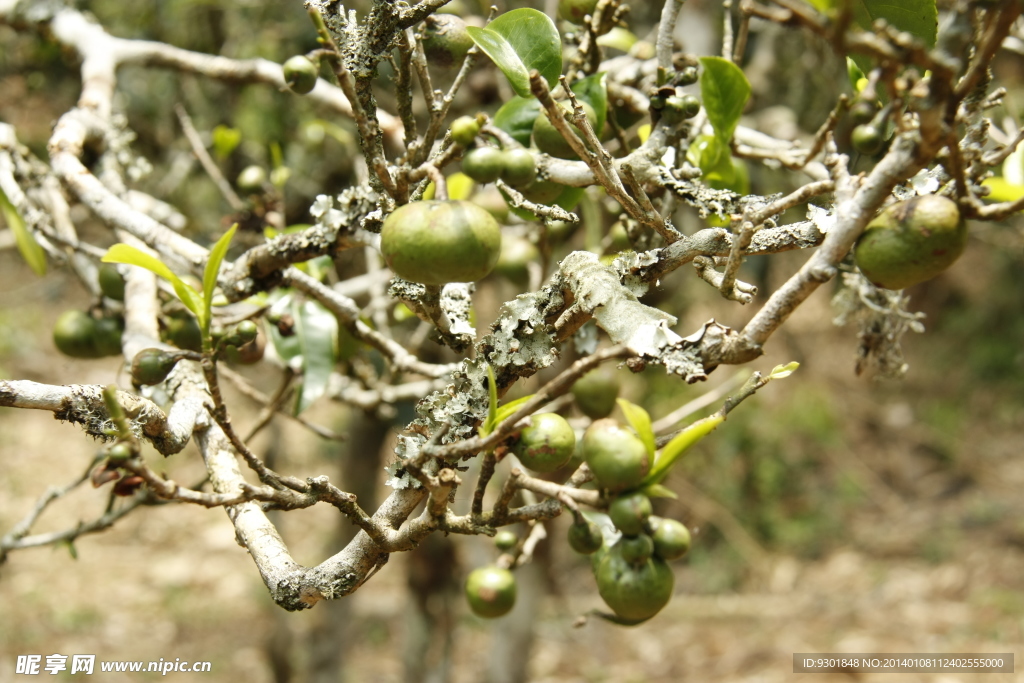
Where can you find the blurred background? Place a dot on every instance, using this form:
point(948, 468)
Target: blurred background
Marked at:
point(831, 512)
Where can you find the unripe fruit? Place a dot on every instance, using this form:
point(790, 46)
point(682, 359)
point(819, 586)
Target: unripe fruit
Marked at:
point(617, 457)
point(505, 540)
point(119, 452)
point(630, 512)
point(542, 191)
point(491, 592)
point(440, 241)
point(75, 335)
point(518, 167)
point(867, 139)
point(151, 366)
point(550, 141)
point(110, 281)
point(585, 538)
point(107, 336)
point(635, 593)
point(516, 255)
point(636, 549)
point(183, 331)
point(688, 76)
point(671, 538)
point(595, 394)
point(576, 11)
point(251, 179)
point(911, 241)
point(483, 164)
point(445, 40)
point(546, 444)
point(464, 130)
point(300, 74)
point(243, 333)
point(863, 111)
point(678, 109)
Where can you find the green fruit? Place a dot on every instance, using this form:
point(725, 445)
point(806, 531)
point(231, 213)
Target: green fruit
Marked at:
point(505, 540)
point(151, 366)
point(111, 282)
point(107, 336)
point(75, 335)
point(243, 333)
point(867, 139)
point(617, 457)
point(634, 592)
point(863, 111)
point(119, 451)
point(445, 40)
point(630, 512)
point(300, 74)
point(252, 178)
point(911, 241)
point(547, 138)
point(440, 241)
point(688, 76)
point(576, 11)
point(518, 167)
point(516, 255)
point(546, 443)
point(542, 191)
point(678, 109)
point(491, 592)
point(636, 549)
point(585, 538)
point(183, 331)
point(483, 164)
point(671, 538)
point(464, 130)
point(595, 394)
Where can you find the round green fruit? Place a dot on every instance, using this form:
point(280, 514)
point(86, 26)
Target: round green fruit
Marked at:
point(546, 444)
point(671, 538)
point(151, 366)
point(483, 164)
point(445, 40)
point(119, 452)
point(491, 592)
point(547, 138)
point(440, 241)
point(518, 167)
point(107, 336)
point(75, 335)
point(585, 538)
point(542, 191)
point(634, 592)
point(863, 111)
point(630, 512)
point(183, 331)
point(252, 178)
point(636, 549)
point(464, 130)
point(576, 11)
point(616, 456)
point(505, 540)
point(516, 255)
point(300, 74)
point(111, 282)
point(678, 109)
point(867, 139)
point(595, 394)
point(911, 241)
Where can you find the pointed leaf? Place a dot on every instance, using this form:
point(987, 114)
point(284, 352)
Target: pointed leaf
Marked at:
point(725, 91)
point(30, 250)
point(492, 404)
point(679, 445)
point(640, 421)
point(520, 41)
point(783, 371)
point(594, 91)
point(317, 329)
point(220, 249)
point(124, 253)
point(504, 412)
point(517, 116)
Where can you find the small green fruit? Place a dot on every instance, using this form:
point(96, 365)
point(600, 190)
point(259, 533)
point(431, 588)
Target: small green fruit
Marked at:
point(688, 76)
point(483, 164)
point(867, 139)
point(630, 512)
point(542, 191)
point(634, 592)
point(75, 335)
point(440, 241)
point(546, 444)
point(863, 111)
point(464, 130)
point(151, 366)
point(576, 11)
point(243, 333)
point(678, 109)
point(911, 241)
point(183, 331)
point(111, 282)
point(445, 40)
point(547, 138)
point(107, 337)
point(585, 538)
point(119, 452)
point(595, 394)
point(636, 549)
point(617, 457)
point(518, 167)
point(671, 538)
point(516, 255)
point(252, 178)
point(505, 540)
point(300, 74)
point(491, 592)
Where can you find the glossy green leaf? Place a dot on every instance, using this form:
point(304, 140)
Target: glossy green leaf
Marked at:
point(123, 253)
point(640, 421)
point(679, 445)
point(317, 330)
point(783, 371)
point(520, 41)
point(1003, 191)
point(856, 76)
point(724, 91)
point(504, 412)
point(220, 249)
point(516, 117)
point(594, 91)
point(29, 249)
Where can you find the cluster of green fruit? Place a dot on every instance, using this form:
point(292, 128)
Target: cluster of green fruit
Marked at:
point(80, 335)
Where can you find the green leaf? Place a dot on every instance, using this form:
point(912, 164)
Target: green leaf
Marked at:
point(856, 76)
point(516, 117)
point(822, 5)
point(124, 253)
point(225, 140)
point(679, 445)
point(917, 17)
point(505, 411)
point(30, 250)
point(1003, 191)
point(520, 41)
point(492, 405)
point(317, 330)
point(640, 421)
point(725, 91)
point(212, 271)
point(594, 91)
point(659, 491)
point(783, 371)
